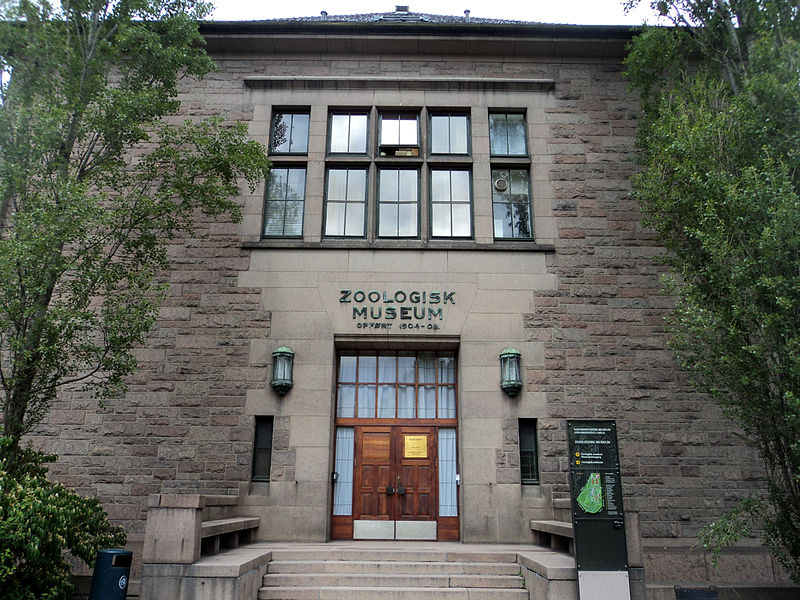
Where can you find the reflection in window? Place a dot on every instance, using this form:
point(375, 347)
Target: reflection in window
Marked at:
point(399, 130)
point(285, 196)
point(511, 205)
point(449, 134)
point(344, 202)
point(507, 134)
point(348, 133)
point(397, 203)
point(450, 203)
point(289, 133)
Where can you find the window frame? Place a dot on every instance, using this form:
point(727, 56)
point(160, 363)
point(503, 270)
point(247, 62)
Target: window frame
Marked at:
point(530, 426)
point(364, 201)
point(293, 111)
point(435, 113)
point(529, 203)
point(506, 113)
point(399, 116)
point(267, 202)
point(470, 202)
point(383, 168)
point(350, 113)
point(263, 420)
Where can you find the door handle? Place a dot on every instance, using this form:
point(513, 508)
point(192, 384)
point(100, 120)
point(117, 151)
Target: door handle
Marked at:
point(389, 490)
point(401, 491)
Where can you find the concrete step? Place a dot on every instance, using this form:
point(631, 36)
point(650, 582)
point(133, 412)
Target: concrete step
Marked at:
point(370, 566)
point(371, 593)
point(397, 580)
point(378, 555)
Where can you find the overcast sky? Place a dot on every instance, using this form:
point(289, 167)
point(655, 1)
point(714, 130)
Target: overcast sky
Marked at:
point(580, 12)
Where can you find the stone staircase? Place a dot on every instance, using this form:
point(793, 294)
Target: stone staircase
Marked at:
point(386, 573)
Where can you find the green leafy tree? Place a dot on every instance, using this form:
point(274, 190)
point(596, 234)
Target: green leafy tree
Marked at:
point(720, 182)
point(94, 182)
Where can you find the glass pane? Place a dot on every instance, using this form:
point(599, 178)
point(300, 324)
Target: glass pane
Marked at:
point(440, 186)
point(427, 367)
point(386, 402)
point(355, 219)
point(387, 220)
point(280, 132)
point(262, 458)
point(296, 184)
point(278, 179)
point(366, 368)
point(448, 489)
point(337, 184)
point(299, 141)
point(273, 221)
point(427, 402)
point(522, 219)
point(347, 368)
point(447, 369)
point(334, 218)
point(388, 185)
point(387, 369)
point(458, 135)
point(345, 406)
point(408, 132)
point(293, 219)
point(408, 186)
point(497, 195)
point(440, 136)
point(366, 401)
point(407, 220)
point(498, 137)
point(339, 133)
point(516, 134)
point(460, 185)
point(406, 369)
point(502, 220)
point(440, 220)
point(343, 465)
point(405, 402)
point(358, 133)
point(447, 403)
point(390, 131)
point(518, 185)
point(356, 185)
point(462, 223)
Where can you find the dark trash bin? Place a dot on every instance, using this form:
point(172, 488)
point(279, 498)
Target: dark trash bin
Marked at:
point(112, 570)
point(709, 593)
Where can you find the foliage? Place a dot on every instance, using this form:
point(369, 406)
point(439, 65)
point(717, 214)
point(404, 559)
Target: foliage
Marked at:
point(720, 150)
point(38, 519)
point(94, 183)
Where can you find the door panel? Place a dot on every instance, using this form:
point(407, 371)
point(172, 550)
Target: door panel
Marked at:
point(417, 473)
point(374, 473)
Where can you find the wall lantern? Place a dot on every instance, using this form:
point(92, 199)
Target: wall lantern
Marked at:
point(510, 371)
point(282, 365)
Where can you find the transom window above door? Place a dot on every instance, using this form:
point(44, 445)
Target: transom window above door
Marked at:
point(396, 385)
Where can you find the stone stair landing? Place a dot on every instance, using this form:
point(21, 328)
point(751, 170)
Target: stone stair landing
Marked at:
point(391, 571)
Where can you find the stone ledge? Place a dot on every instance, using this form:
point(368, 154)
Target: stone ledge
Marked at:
point(555, 527)
point(548, 564)
point(403, 83)
point(223, 526)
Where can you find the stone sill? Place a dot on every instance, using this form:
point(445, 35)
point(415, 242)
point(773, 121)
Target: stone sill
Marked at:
point(360, 244)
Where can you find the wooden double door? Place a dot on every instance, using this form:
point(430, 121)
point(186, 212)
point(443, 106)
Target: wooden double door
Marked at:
point(395, 486)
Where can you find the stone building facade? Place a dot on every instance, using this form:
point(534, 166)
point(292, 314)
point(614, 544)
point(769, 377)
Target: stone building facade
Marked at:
point(443, 189)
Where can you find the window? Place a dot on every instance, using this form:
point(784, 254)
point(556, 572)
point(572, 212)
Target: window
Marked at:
point(285, 197)
point(289, 133)
point(403, 385)
point(348, 133)
point(398, 202)
point(528, 453)
point(507, 134)
point(449, 134)
point(345, 202)
point(399, 135)
point(262, 449)
point(451, 212)
point(511, 207)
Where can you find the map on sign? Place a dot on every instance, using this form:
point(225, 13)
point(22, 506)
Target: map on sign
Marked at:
point(591, 497)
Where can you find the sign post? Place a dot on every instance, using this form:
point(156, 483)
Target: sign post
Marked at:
point(597, 517)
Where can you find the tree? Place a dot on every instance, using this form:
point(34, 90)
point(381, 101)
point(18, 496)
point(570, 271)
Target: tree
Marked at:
point(719, 144)
point(94, 182)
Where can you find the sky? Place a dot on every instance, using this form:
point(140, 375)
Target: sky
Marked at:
point(577, 12)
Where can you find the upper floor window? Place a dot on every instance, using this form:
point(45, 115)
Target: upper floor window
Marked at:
point(511, 205)
point(345, 202)
point(507, 134)
point(289, 133)
point(398, 202)
point(449, 134)
point(348, 133)
point(450, 203)
point(285, 199)
point(399, 134)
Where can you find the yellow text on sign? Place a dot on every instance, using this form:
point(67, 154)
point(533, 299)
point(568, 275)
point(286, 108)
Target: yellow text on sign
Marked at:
point(416, 446)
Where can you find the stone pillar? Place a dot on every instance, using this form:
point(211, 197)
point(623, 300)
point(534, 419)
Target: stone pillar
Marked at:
point(173, 530)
